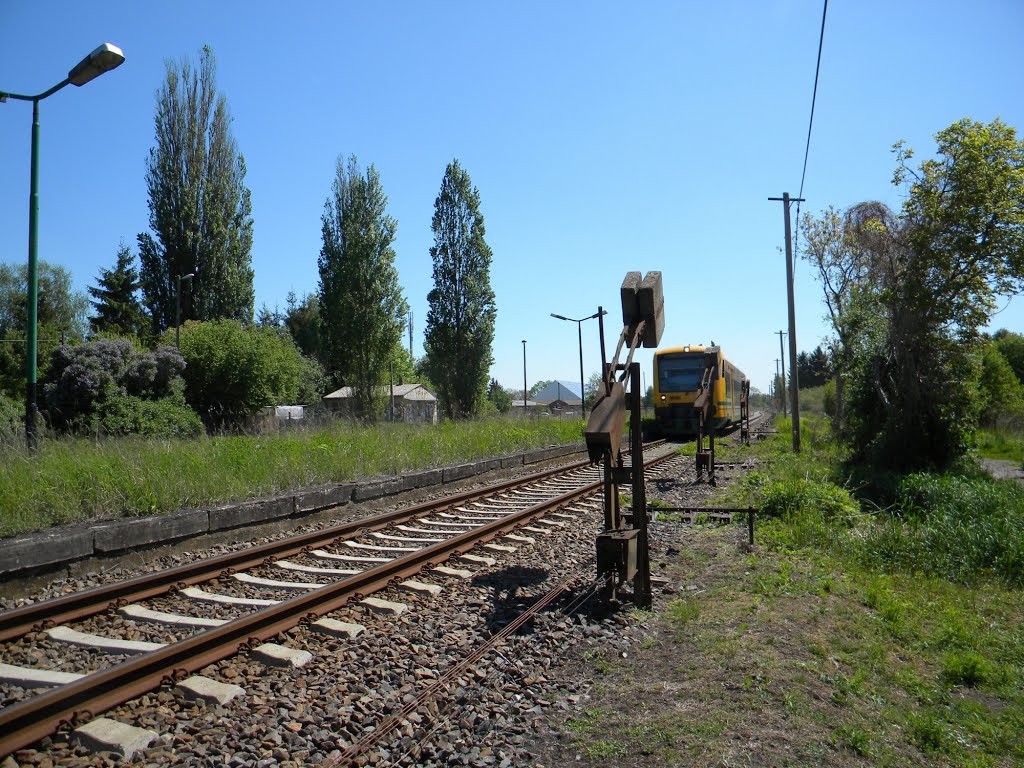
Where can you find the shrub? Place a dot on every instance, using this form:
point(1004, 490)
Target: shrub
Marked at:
point(233, 371)
point(132, 415)
point(153, 375)
point(312, 381)
point(802, 496)
point(80, 377)
point(107, 386)
point(999, 390)
point(11, 416)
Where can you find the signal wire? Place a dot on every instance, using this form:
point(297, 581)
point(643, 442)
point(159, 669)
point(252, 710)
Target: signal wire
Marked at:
point(810, 124)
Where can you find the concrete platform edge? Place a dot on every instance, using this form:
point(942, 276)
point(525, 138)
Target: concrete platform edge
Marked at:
point(57, 547)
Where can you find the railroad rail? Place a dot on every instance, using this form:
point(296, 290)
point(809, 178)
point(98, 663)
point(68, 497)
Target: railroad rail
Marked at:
point(462, 523)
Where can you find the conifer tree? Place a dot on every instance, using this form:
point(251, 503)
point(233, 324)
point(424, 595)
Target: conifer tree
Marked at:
point(461, 313)
point(362, 311)
point(115, 299)
point(199, 207)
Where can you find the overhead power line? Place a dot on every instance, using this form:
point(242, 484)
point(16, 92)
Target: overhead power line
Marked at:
point(810, 123)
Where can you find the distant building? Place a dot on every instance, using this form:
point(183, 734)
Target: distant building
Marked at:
point(413, 403)
point(560, 398)
point(532, 407)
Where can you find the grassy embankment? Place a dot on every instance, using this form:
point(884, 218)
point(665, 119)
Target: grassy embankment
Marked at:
point(76, 480)
point(880, 628)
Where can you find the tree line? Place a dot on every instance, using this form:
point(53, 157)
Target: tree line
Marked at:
point(349, 332)
point(908, 293)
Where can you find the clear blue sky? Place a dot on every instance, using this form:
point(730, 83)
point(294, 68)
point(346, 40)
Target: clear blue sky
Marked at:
point(602, 137)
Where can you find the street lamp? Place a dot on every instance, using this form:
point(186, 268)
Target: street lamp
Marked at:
point(524, 378)
point(579, 329)
point(177, 309)
point(103, 59)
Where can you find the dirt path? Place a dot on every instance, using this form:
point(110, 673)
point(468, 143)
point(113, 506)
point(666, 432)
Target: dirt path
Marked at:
point(1004, 469)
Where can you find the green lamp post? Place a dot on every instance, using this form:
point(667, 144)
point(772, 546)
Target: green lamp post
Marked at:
point(103, 59)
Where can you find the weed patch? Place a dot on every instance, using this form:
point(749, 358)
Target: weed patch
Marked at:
point(78, 479)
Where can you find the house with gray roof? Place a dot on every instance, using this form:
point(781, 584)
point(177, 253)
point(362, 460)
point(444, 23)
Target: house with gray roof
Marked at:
point(413, 403)
point(561, 397)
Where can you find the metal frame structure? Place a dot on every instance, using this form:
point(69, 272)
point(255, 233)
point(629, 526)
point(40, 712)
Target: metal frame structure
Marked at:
point(622, 545)
point(745, 412)
point(704, 404)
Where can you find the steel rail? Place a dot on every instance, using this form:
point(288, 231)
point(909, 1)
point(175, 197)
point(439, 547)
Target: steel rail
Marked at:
point(33, 617)
point(33, 719)
point(30, 720)
point(384, 728)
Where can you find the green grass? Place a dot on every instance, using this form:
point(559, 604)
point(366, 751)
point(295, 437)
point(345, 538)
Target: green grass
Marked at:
point(939, 571)
point(877, 620)
point(999, 444)
point(78, 480)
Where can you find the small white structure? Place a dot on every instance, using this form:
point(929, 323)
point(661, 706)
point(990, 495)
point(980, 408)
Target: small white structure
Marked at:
point(413, 403)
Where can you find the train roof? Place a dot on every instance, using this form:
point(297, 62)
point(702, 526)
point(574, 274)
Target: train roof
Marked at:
point(696, 349)
point(686, 348)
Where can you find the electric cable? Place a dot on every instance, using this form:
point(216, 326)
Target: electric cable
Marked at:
point(810, 124)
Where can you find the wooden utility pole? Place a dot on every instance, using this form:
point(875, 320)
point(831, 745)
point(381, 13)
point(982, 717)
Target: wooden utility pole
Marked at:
point(782, 358)
point(794, 387)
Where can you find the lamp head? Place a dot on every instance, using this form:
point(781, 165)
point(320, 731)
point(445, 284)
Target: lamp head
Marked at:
point(559, 317)
point(103, 59)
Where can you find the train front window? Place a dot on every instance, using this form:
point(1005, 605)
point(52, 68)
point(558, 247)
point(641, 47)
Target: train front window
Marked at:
point(680, 373)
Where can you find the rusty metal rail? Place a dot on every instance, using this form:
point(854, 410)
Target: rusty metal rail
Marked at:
point(716, 514)
point(29, 618)
point(29, 721)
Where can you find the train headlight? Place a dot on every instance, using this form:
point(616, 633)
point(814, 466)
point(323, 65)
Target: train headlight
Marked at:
point(662, 397)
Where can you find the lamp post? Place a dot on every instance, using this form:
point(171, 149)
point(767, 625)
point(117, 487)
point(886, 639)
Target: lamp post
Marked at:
point(579, 329)
point(177, 309)
point(524, 378)
point(103, 59)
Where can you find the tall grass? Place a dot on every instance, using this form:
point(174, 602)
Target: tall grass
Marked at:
point(72, 480)
point(952, 526)
point(961, 526)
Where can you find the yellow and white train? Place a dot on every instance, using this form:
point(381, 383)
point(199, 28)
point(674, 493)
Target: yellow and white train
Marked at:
point(677, 377)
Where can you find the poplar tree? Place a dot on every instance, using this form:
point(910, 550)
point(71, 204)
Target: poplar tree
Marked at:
point(199, 207)
point(115, 298)
point(362, 311)
point(461, 309)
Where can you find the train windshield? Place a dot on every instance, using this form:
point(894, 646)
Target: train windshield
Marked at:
point(680, 372)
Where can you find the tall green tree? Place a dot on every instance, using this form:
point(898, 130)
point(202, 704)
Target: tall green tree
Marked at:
point(844, 271)
point(62, 315)
point(812, 368)
point(1011, 345)
point(999, 389)
point(499, 397)
point(302, 319)
point(937, 268)
point(461, 309)
point(200, 212)
point(61, 310)
point(362, 311)
point(115, 298)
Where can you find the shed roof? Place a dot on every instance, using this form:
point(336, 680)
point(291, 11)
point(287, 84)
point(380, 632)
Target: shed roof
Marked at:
point(404, 391)
point(559, 390)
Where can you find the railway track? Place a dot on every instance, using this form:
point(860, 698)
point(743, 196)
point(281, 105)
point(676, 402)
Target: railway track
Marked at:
point(200, 613)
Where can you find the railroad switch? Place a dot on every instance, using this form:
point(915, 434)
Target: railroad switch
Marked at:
point(617, 554)
point(622, 548)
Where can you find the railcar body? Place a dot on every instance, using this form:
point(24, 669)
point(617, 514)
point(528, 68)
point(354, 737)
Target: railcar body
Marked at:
point(677, 378)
